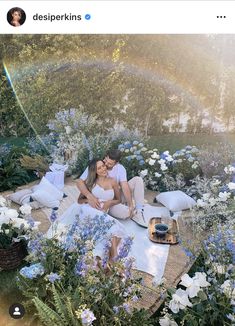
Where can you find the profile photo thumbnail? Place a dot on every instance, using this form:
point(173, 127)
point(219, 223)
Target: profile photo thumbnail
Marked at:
point(16, 16)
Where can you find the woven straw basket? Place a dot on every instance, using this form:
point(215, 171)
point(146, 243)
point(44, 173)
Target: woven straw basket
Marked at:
point(12, 257)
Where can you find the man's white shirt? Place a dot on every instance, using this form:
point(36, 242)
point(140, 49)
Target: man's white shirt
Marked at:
point(118, 173)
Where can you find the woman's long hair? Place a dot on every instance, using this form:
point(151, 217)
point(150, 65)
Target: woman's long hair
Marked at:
point(92, 176)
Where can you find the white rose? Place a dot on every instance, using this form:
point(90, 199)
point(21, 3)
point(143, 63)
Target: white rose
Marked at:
point(201, 203)
point(2, 201)
point(169, 158)
point(223, 196)
point(228, 289)
point(152, 162)
point(179, 301)
point(200, 279)
point(143, 173)
point(25, 209)
point(206, 196)
point(231, 185)
point(155, 156)
point(157, 175)
point(68, 130)
point(163, 167)
point(166, 321)
point(11, 213)
point(212, 201)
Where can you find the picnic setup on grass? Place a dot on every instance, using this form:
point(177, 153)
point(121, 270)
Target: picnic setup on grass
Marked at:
point(117, 186)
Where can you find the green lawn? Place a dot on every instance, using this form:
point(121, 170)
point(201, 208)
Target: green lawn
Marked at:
point(170, 142)
point(173, 142)
point(17, 141)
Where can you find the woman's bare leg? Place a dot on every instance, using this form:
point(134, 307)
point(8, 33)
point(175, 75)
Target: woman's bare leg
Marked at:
point(114, 245)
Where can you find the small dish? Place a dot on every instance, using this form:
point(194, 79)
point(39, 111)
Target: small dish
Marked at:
point(161, 228)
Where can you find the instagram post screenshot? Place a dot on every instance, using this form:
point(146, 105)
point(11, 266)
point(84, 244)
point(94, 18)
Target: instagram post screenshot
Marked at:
point(117, 163)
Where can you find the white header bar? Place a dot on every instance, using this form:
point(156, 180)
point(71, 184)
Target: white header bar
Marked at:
point(120, 17)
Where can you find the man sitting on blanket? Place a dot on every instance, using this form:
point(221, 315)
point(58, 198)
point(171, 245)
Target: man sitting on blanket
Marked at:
point(132, 189)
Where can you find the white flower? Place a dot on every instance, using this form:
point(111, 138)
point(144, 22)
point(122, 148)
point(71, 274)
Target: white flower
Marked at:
point(179, 301)
point(201, 203)
point(231, 185)
point(212, 201)
point(192, 288)
point(143, 173)
point(229, 169)
point(87, 317)
point(25, 209)
point(127, 150)
point(163, 167)
point(166, 321)
point(228, 289)
point(166, 153)
point(169, 158)
point(195, 165)
point(161, 161)
point(200, 279)
point(216, 182)
point(206, 196)
point(68, 130)
point(219, 269)
point(157, 175)
point(11, 213)
point(224, 196)
point(155, 155)
point(135, 142)
point(141, 145)
point(2, 201)
point(152, 162)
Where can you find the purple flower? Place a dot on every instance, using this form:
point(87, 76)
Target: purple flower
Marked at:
point(126, 307)
point(81, 267)
point(116, 309)
point(52, 277)
point(106, 255)
point(53, 216)
point(125, 248)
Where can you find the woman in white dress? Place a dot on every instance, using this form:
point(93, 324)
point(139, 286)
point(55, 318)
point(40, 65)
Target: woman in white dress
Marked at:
point(107, 191)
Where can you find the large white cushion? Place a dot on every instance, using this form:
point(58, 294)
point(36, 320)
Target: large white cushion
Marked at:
point(49, 189)
point(45, 198)
point(175, 200)
point(21, 197)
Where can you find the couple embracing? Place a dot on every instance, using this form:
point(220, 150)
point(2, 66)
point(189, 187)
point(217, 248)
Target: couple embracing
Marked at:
point(109, 175)
point(106, 194)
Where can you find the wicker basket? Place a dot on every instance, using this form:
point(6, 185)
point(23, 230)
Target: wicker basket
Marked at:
point(12, 257)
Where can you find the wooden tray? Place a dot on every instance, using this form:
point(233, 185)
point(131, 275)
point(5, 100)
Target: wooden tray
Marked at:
point(171, 237)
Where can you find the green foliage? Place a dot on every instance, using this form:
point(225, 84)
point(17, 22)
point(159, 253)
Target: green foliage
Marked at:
point(136, 80)
point(12, 174)
point(12, 119)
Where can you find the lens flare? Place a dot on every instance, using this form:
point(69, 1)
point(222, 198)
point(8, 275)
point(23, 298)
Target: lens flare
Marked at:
point(21, 106)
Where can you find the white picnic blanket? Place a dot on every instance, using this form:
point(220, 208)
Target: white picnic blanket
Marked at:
point(149, 256)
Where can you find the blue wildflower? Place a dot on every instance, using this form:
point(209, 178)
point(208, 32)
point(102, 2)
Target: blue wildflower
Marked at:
point(32, 271)
point(141, 162)
point(116, 309)
point(52, 277)
point(53, 216)
point(125, 248)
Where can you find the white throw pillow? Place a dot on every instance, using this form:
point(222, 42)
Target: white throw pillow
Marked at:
point(45, 198)
point(48, 188)
point(175, 200)
point(21, 197)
